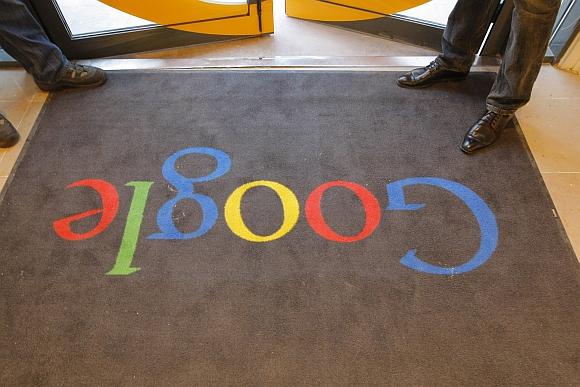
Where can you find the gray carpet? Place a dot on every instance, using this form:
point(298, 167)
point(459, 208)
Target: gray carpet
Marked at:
point(303, 309)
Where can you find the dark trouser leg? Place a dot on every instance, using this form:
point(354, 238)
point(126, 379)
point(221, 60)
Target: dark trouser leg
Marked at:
point(24, 39)
point(532, 23)
point(464, 33)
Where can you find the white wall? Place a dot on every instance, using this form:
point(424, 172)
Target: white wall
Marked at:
point(571, 59)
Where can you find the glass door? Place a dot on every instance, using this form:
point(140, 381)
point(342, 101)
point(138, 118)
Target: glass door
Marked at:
point(96, 28)
point(419, 22)
point(566, 27)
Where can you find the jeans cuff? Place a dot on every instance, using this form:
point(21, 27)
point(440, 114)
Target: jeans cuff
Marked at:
point(65, 64)
point(451, 64)
point(58, 73)
point(501, 111)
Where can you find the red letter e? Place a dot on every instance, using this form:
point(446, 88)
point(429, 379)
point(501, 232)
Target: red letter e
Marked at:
point(110, 203)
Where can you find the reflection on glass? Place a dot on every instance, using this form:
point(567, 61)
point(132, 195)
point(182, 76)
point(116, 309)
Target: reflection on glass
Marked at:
point(92, 16)
point(435, 11)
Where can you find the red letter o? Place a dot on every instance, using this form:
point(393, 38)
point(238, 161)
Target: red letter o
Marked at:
point(318, 224)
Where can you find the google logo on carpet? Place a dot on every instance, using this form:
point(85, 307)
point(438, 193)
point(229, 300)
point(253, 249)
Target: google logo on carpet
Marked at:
point(185, 190)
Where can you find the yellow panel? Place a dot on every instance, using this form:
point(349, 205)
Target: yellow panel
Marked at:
point(183, 11)
point(247, 25)
point(176, 11)
point(384, 7)
point(345, 10)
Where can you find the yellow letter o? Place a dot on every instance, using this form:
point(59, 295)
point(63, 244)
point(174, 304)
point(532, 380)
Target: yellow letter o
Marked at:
point(233, 211)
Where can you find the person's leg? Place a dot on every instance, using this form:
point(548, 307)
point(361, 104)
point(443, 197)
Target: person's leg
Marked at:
point(464, 33)
point(466, 27)
point(25, 40)
point(532, 23)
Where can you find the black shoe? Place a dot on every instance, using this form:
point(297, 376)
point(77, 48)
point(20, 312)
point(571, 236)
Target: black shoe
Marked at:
point(485, 131)
point(76, 76)
point(426, 76)
point(8, 135)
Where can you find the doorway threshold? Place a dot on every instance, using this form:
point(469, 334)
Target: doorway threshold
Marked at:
point(385, 63)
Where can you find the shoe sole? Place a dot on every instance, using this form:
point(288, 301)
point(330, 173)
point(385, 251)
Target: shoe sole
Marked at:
point(428, 84)
point(74, 86)
point(486, 148)
point(11, 142)
point(465, 151)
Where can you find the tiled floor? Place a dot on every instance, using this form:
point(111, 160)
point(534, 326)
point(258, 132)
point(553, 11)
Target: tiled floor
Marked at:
point(550, 124)
point(20, 102)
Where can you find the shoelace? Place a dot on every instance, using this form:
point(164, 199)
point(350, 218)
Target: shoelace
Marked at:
point(77, 69)
point(491, 118)
point(433, 65)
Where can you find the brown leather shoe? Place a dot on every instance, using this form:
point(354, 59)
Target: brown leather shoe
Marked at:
point(485, 131)
point(428, 75)
point(8, 135)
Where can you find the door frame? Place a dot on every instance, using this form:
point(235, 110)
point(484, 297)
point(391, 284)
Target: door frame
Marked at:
point(126, 41)
point(121, 41)
point(396, 27)
point(563, 33)
point(423, 32)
